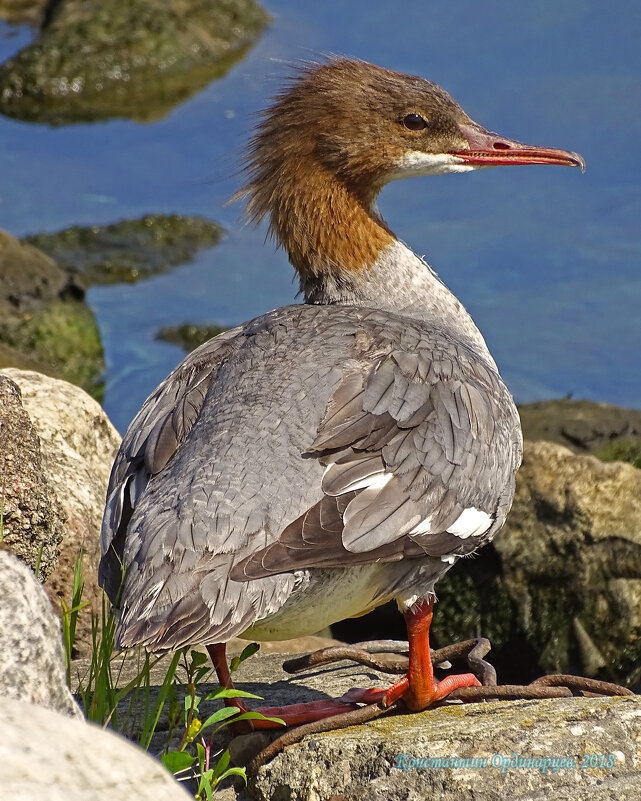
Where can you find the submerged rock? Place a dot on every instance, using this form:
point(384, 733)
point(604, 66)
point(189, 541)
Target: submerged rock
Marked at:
point(189, 336)
point(129, 250)
point(126, 58)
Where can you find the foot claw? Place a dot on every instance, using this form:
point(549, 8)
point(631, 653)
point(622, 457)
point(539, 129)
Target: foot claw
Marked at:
point(360, 695)
point(415, 701)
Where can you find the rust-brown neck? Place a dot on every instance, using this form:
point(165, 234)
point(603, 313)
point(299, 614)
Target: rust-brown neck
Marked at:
point(329, 229)
point(324, 226)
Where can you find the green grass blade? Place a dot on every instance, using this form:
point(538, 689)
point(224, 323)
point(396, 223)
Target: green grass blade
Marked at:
point(152, 721)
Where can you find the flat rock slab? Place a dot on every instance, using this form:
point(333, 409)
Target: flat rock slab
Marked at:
point(408, 757)
point(572, 749)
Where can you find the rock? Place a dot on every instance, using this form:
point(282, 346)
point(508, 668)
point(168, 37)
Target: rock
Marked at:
point(29, 279)
point(130, 58)
point(20, 12)
point(44, 316)
point(559, 589)
point(78, 447)
point(32, 666)
point(361, 762)
point(592, 747)
point(48, 756)
point(253, 673)
point(189, 336)
point(45, 324)
point(31, 517)
point(571, 556)
point(12, 357)
point(129, 250)
point(578, 424)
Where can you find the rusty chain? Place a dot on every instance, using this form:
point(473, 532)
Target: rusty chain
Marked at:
point(382, 655)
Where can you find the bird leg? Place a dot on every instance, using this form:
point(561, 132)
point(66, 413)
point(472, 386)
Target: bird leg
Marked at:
point(217, 653)
point(293, 715)
point(418, 688)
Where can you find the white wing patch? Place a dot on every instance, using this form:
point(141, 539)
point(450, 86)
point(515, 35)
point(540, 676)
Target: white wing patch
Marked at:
point(373, 481)
point(423, 527)
point(470, 523)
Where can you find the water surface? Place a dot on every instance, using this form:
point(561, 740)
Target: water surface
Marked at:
point(546, 259)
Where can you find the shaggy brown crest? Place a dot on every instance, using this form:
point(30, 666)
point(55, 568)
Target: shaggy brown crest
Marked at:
point(325, 148)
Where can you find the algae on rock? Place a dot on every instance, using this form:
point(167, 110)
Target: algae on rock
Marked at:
point(66, 337)
point(43, 315)
point(127, 58)
point(189, 336)
point(129, 250)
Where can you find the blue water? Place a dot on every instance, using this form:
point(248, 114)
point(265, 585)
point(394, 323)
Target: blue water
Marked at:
point(546, 259)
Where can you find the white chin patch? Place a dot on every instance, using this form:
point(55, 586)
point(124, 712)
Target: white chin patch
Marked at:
point(418, 163)
point(470, 523)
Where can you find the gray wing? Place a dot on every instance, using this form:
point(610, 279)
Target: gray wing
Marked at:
point(420, 453)
point(153, 437)
point(316, 436)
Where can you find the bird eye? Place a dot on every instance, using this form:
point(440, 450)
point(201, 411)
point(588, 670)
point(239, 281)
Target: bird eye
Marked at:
point(414, 122)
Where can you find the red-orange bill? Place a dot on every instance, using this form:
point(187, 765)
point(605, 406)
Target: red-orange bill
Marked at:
point(490, 149)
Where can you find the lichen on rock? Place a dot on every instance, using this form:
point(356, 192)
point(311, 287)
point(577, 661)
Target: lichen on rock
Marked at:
point(31, 516)
point(78, 445)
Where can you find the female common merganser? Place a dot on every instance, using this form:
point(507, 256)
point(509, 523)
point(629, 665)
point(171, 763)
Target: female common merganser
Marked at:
point(322, 459)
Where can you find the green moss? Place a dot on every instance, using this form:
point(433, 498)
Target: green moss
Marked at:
point(65, 337)
point(126, 58)
point(620, 450)
point(189, 336)
point(129, 250)
point(474, 603)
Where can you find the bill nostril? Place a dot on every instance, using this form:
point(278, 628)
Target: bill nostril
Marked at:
point(501, 146)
